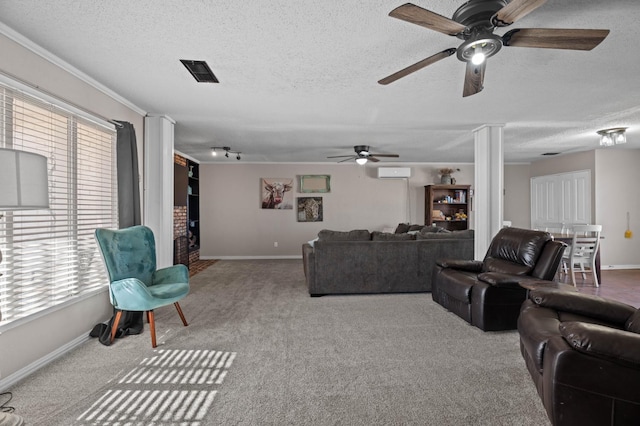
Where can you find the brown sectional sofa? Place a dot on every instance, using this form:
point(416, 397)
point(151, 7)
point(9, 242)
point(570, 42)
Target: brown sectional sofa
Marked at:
point(363, 262)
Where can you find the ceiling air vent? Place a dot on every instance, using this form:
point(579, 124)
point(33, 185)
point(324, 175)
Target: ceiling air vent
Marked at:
point(200, 71)
point(551, 153)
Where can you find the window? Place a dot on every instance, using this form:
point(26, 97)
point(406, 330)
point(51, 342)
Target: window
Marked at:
point(50, 256)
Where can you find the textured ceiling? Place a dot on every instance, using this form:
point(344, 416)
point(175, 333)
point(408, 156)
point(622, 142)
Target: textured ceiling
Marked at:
point(298, 80)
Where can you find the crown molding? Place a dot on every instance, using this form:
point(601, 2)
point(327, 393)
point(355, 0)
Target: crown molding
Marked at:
point(45, 54)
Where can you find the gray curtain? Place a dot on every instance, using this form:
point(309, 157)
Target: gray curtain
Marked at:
point(128, 180)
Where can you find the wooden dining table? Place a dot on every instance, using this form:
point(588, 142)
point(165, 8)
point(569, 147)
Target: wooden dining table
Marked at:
point(568, 238)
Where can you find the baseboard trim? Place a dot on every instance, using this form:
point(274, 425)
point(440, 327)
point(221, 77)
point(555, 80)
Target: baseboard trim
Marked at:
point(611, 267)
point(8, 382)
point(250, 257)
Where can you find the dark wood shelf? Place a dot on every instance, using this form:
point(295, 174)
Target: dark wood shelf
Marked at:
point(449, 200)
point(187, 193)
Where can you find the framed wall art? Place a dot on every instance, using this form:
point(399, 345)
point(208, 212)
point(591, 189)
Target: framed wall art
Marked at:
point(315, 183)
point(276, 193)
point(310, 209)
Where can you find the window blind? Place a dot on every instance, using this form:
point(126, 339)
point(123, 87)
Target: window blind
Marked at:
point(50, 256)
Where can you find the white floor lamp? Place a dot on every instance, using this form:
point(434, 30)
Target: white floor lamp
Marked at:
point(23, 182)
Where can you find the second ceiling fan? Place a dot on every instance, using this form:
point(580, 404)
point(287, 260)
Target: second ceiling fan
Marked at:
point(363, 155)
point(475, 21)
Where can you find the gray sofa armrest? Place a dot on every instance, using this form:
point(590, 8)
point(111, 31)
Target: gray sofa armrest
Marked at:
point(463, 265)
point(308, 262)
point(584, 304)
point(619, 346)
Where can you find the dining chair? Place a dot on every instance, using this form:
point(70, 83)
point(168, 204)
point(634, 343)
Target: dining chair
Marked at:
point(567, 229)
point(136, 284)
point(584, 246)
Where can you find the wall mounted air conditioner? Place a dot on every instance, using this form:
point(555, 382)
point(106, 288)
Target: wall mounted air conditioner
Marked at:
point(394, 172)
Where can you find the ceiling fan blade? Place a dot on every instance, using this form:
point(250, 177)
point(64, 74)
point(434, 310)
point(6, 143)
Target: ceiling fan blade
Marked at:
point(340, 156)
point(347, 159)
point(384, 155)
point(514, 10)
point(473, 79)
point(423, 17)
point(554, 38)
point(417, 66)
point(374, 159)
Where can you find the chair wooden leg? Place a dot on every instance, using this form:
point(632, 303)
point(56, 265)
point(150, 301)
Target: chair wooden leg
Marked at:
point(184, 321)
point(152, 328)
point(114, 326)
point(148, 316)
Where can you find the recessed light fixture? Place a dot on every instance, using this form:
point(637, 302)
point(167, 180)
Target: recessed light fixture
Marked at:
point(200, 71)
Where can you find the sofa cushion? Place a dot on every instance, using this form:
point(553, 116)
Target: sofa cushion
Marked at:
point(517, 246)
point(402, 228)
point(633, 323)
point(434, 229)
point(355, 235)
point(599, 309)
point(465, 234)
point(505, 267)
point(383, 236)
point(605, 342)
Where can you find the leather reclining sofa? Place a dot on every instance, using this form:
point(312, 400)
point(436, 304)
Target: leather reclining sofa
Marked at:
point(583, 354)
point(487, 293)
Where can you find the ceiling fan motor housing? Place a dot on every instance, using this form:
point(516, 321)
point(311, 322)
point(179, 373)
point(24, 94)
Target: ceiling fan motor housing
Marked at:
point(361, 150)
point(478, 15)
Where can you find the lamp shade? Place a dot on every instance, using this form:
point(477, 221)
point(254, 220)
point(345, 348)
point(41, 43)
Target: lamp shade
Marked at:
point(23, 180)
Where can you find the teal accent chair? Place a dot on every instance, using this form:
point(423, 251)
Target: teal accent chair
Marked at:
point(135, 284)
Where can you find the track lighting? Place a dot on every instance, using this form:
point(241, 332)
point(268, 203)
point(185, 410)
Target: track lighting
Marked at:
point(227, 151)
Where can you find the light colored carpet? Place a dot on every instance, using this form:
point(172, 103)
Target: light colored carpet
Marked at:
point(260, 351)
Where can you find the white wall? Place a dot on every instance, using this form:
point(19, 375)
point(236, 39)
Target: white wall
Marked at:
point(36, 339)
point(517, 198)
point(233, 224)
point(614, 173)
point(618, 174)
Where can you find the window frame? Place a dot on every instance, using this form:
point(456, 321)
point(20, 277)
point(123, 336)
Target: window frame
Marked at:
point(81, 151)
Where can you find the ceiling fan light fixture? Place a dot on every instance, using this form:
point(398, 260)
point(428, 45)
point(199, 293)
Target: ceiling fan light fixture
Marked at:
point(361, 161)
point(478, 58)
point(613, 136)
point(479, 47)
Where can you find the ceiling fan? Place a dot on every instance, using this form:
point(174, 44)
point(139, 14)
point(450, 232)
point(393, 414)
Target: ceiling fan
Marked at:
point(363, 155)
point(475, 21)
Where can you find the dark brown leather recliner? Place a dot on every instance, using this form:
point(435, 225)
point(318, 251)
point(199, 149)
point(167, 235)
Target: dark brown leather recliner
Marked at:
point(583, 354)
point(487, 293)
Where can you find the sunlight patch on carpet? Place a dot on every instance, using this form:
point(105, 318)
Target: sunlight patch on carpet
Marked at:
point(171, 387)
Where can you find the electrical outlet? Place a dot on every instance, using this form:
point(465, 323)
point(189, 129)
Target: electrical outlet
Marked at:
point(275, 244)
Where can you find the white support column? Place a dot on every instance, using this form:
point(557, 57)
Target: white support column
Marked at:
point(158, 184)
point(488, 194)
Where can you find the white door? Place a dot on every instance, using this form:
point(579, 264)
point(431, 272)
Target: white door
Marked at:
point(564, 198)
